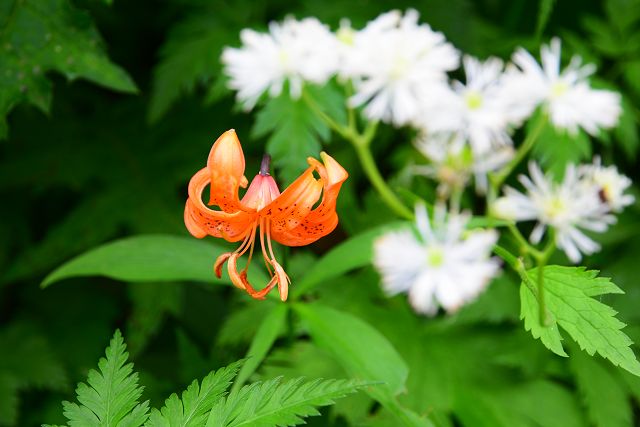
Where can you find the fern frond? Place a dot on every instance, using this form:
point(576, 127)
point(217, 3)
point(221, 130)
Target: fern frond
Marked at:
point(272, 403)
point(111, 396)
point(192, 409)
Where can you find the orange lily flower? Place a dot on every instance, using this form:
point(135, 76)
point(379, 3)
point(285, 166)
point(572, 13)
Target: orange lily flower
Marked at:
point(288, 217)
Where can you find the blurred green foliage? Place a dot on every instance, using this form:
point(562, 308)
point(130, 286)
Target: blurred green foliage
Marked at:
point(89, 156)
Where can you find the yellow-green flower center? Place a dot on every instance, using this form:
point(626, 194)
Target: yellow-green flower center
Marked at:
point(554, 207)
point(559, 89)
point(284, 58)
point(473, 100)
point(346, 35)
point(435, 256)
point(399, 68)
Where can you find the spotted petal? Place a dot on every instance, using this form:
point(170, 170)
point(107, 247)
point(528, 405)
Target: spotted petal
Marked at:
point(201, 220)
point(301, 225)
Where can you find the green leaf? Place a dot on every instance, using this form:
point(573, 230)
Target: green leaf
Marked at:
point(626, 132)
point(297, 131)
point(9, 391)
point(151, 302)
point(27, 361)
point(569, 293)
point(193, 364)
point(555, 148)
point(632, 76)
point(623, 15)
point(196, 402)
point(148, 258)
point(595, 381)
point(353, 253)
point(361, 350)
point(548, 334)
point(479, 408)
point(273, 403)
point(499, 303)
point(242, 324)
point(189, 57)
point(111, 396)
point(543, 403)
point(50, 35)
point(270, 328)
point(544, 13)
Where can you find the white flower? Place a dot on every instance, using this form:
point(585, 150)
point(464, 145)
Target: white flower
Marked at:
point(293, 51)
point(477, 112)
point(607, 183)
point(452, 163)
point(447, 266)
point(394, 62)
point(565, 206)
point(565, 94)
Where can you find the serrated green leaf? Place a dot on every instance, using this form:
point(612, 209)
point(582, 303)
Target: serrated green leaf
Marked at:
point(549, 334)
point(189, 57)
point(353, 253)
point(296, 129)
point(148, 258)
point(273, 403)
point(110, 397)
point(269, 330)
point(192, 409)
point(50, 35)
point(595, 381)
point(569, 293)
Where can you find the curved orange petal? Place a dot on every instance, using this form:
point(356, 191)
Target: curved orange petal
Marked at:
point(226, 168)
point(302, 227)
point(201, 220)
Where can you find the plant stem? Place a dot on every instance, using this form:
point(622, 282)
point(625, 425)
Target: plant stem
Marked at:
point(497, 179)
point(343, 131)
point(541, 259)
point(371, 170)
point(455, 201)
point(361, 143)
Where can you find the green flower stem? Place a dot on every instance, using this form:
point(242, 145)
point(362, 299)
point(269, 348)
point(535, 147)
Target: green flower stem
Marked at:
point(524, 245)
point(541, 259)
point(371, 170)
point(345, 132)
point(361, 143)
point(518, 266)
point(455, 201)
point(498, 178)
